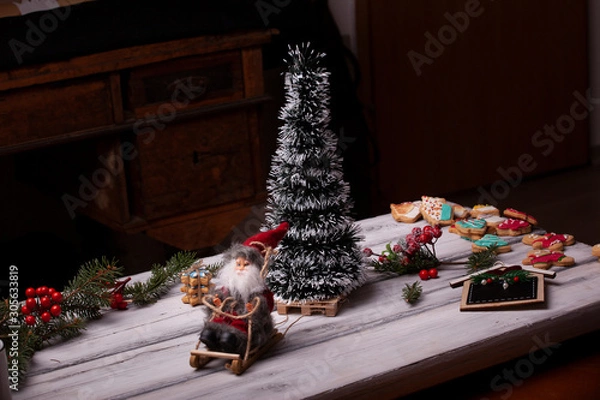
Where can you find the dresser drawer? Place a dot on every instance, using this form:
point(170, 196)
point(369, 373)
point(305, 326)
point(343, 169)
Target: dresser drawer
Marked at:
point(196, 165)
point(190, 81)
point(53, 110)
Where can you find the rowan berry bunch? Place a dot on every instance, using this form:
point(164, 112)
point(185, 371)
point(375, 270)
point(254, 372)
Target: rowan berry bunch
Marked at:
point(412, 254)
point(41, 304)
point(117, 300)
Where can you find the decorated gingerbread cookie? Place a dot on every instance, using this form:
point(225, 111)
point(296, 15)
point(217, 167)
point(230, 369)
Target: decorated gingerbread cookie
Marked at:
point(436, 211)
point(596, 250)
point(471, 228)
point(492, 222)
point(408, 212)
point(460, 212)
point(513, 227)
point(489, 240)
point(550, 241)
point(544, 259)
point(516, 214)
point(481, 210)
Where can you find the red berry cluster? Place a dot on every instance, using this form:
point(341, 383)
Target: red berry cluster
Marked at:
point(42, 303)
point(117, 301)
point(430, 273)
point(415, 252)
point(421, 236)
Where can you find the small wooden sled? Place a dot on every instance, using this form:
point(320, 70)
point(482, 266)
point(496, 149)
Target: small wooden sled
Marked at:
point(238, 364)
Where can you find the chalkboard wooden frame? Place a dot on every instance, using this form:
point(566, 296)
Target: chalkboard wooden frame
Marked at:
point(473, 299)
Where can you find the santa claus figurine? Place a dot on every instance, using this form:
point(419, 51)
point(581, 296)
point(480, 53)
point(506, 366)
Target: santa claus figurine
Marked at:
point(240, 290)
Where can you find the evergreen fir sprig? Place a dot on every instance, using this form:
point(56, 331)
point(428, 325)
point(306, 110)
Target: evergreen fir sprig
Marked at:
point(160, 280)
point(506, 278)
point(82, 299)
point(411, 293)
point(395, 263)
point(482, 260)
point(85, 297)
point(87, 293)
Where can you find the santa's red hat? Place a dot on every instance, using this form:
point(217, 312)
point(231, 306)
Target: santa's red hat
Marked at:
point(262, 240)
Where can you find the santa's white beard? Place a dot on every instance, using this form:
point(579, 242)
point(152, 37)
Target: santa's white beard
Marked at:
point(241, 283)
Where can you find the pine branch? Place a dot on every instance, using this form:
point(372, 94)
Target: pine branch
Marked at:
point(86, 294)
point(400, 266)
point(482, 260)
point(161, 278)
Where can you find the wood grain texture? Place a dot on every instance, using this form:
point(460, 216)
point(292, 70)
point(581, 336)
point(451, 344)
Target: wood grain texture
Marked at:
point(376, 346)
point(128, 58)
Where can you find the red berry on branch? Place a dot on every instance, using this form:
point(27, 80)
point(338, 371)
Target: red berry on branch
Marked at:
point(397, 248)
point(55, 310)
point(51, 291)
point(416, 231)
point(30, 320)
point(433, 273)
point(424, 274)
point(122, 305)
point(46, 316)
point(437, 231)
point(31, 303)
point(413, 248)
point(425, 237)
point(25, 310)
point(42, 291)
point(45, 302)
point(382, 259)
point(367, 252)
point(516, 279)
point(489, 280)
point(57, 297)
point(30, 292)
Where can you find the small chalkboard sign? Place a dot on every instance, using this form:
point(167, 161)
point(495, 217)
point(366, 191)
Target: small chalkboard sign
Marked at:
point(486, 297)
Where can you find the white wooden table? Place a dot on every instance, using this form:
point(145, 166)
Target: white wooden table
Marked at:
point(376, 346)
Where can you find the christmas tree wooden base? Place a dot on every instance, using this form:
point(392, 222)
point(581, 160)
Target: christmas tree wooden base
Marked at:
point(327, 307)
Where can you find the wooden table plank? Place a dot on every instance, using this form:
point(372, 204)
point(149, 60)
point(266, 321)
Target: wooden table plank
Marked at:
point(377, 345)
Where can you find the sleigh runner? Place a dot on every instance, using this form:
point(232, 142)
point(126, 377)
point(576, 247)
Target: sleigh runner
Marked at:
point(239, 363)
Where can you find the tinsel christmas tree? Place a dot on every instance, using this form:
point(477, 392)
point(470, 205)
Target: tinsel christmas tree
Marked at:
point(319, 258)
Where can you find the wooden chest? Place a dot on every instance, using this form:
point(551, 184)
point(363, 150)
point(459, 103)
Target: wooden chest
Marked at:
point(162, 138)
